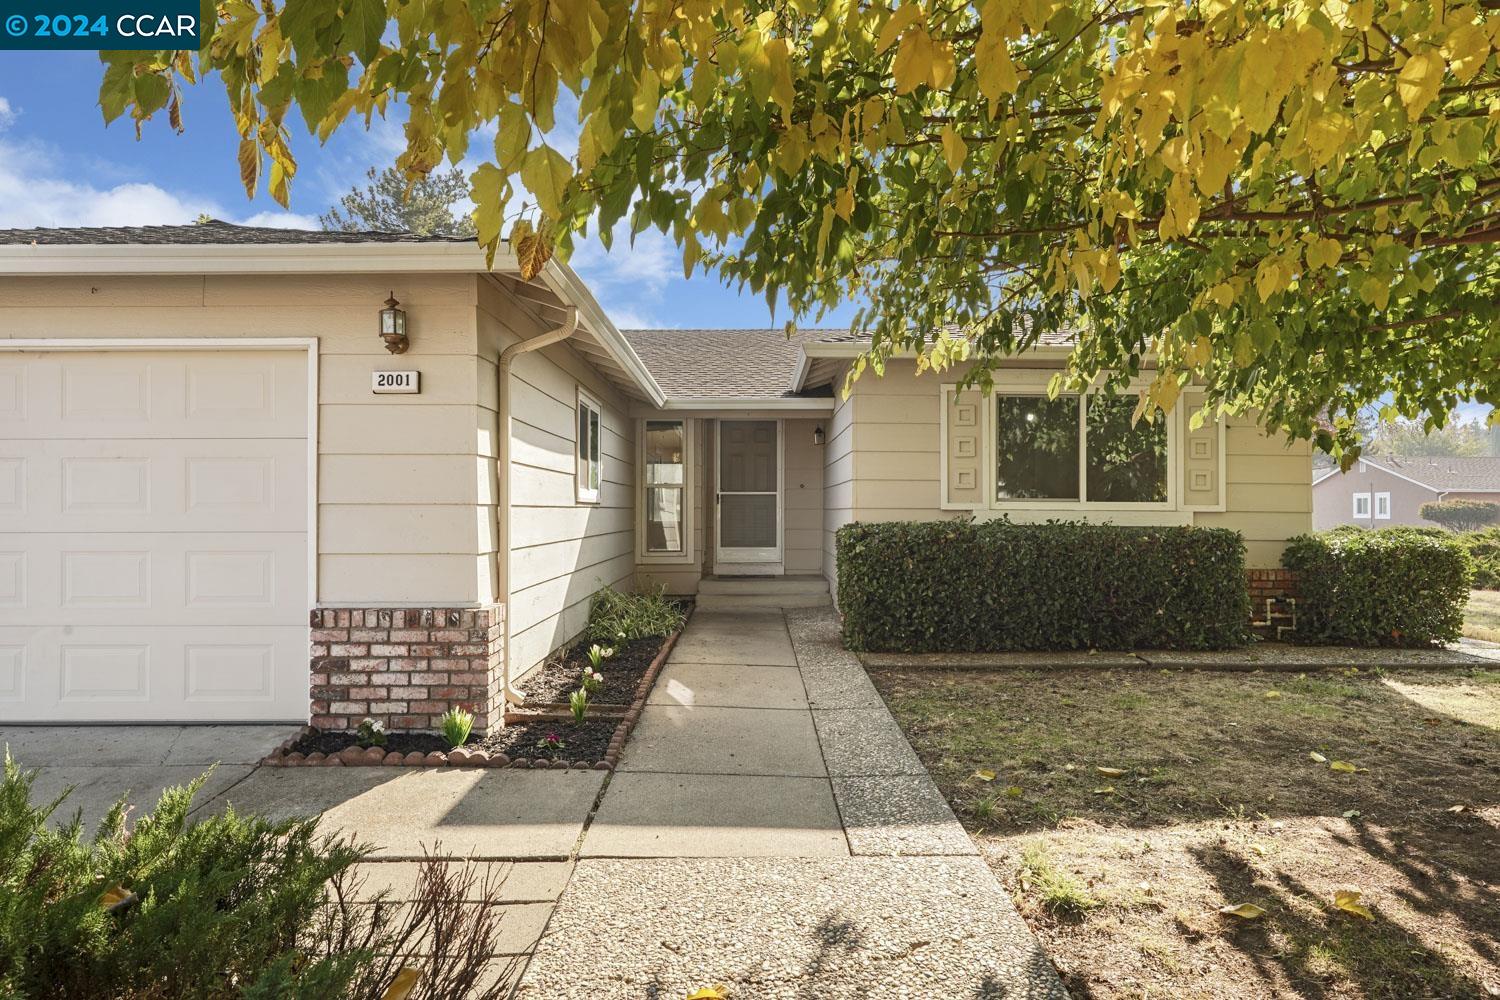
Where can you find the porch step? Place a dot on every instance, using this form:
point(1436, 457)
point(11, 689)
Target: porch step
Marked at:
point(726, 593)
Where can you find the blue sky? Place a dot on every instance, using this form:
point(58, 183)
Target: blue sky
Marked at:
point(60, 166)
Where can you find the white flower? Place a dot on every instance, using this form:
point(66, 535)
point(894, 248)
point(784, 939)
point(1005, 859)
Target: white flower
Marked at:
point(599, 677)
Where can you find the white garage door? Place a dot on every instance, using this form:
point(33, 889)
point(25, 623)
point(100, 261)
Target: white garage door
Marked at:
point(153, 536)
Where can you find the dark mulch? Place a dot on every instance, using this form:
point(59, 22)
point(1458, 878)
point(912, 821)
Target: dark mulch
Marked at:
point(559, 677)
point(587, 742)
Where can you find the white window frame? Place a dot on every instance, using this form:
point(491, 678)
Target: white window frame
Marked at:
point(1035, 383)
point(689, 493)
point(583, 491)
point(1382, 506)
point(1361, 514)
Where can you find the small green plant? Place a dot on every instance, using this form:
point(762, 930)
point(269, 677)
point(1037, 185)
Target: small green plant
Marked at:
point(1059, 892)
point(456, 725)
point(616, 616)
point(578, 704)
point(597, 654)
point(592, 681)
point(551, 742)
point(370, 733)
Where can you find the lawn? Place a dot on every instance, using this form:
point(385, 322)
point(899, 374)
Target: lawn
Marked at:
point(1482, 616)
point(1123, 810)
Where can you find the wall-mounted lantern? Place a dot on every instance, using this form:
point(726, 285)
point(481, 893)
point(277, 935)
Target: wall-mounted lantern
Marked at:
point(393, 326)
point(818, 435)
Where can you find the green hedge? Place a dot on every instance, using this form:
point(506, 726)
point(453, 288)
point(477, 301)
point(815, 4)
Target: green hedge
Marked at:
point(1484, 549)
point(955, 586)
point(1389, 587)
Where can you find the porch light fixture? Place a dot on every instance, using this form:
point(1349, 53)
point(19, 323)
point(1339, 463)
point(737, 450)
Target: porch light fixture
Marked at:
point(818, 434)
point(393, 326)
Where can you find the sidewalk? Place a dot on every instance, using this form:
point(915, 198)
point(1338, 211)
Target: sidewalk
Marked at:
point(769, 829)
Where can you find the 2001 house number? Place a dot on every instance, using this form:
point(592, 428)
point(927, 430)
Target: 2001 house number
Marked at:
point(395, 382)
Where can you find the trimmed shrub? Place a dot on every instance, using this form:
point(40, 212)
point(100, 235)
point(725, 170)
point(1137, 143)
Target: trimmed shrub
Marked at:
point(956, 586)
point(619, 616)
point(1389, 587)
point(1461, 515)
point(1484, 550)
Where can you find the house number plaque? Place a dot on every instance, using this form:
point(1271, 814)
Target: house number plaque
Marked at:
point(395, 382)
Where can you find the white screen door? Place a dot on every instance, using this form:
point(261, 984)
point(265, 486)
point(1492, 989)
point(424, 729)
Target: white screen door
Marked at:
point(749, 487)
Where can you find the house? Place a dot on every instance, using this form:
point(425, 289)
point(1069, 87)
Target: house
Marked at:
point(249, 470)
point(1384, 491)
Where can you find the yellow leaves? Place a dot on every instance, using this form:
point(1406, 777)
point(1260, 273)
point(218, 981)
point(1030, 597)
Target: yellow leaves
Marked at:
point(996, 71)
point(1182, 209)
point(487, 189)
point(1222, 294)
point(902, 18)
point(955, 149)
point(1342, 766)
point(403, 984)
point(1273, 274)
point(1316, 757)
point(843, 204)
point(546, 174)
point(1245, 911)
point(1327, 136)
point(531, 249)
point(1348, 901)
point(914, 60)
point(1215, 162)
point(1419, 80)
point(1322, 251)
point(984, 774)
point(1111, 772)
point(792, 149)
point(1362, 14)
point(1014, 791)
point(783, 92)
point(718, 992)
point(944, 66)
point(1466, 49)
point(249, 165)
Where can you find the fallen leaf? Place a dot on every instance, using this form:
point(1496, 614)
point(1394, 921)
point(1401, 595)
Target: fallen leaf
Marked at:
point(1342, 766)
point(1352, 814)
point(1070, 767)
point(401, 987)
point(1348, 901)
point(1111, 772)
point(1259, 849)
point(1014, 792)
point(1106, 790)
point(709, 993)
point(1245, 911)
point(1273, 694)
point(116, 898)
point(1457, 808)
point(984, 774)
point(1318, 758)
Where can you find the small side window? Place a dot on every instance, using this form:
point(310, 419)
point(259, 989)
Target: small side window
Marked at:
point(589, 472)
point(1362, 505)
point(1383, 506)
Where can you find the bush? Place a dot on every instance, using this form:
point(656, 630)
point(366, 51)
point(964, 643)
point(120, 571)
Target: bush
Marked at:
point(1484, 550)
point(953, 586)
point(1389, 587)
point(1461, 515)
point(617, 616)
point(232, 906)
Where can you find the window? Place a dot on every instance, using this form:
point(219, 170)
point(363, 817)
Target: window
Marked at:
point(1383, 506)
point(664, 454)
point(1066, 449)
point(1361, 505)
point(588, 475)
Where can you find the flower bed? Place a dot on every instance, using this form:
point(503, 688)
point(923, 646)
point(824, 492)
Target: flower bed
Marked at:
point(540, 736)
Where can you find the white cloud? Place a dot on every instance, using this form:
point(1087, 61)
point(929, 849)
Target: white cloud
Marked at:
point(7, 114)
point(281, 220)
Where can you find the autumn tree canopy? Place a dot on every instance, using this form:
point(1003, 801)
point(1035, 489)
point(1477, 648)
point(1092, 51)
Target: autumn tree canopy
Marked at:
point(1295, 203)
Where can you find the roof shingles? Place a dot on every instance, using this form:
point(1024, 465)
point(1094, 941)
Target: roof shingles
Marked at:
point(203, 233)
point(726, 364)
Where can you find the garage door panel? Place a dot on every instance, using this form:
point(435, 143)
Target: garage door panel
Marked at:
point(150, 394)
point(153, 536)
point(167, 485)
point(151, 675)
point(173, 578)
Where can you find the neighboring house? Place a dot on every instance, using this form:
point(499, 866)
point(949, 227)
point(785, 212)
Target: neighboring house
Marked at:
point(224, 498)
point(1384, 491)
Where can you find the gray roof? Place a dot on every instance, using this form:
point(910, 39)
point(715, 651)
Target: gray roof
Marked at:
point(212, 231)
point(1477, 474)
point(732, 364)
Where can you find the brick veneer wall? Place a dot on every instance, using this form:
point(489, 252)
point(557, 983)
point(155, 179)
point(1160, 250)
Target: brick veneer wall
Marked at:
point(1266, 583)
point(406, 666)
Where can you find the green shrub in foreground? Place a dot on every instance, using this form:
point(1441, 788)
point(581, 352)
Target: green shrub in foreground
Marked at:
point(230, 906)
point(619, 616)
point(1389, 587)
point(957, 586)
point(1484, 550)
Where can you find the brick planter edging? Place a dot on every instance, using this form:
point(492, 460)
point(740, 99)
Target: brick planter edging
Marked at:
point(283, 756)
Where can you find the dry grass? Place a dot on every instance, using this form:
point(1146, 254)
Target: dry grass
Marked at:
point(1160, 797)
point(1482, 617)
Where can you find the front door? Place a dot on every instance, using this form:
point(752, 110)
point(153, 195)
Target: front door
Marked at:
point(749, 494)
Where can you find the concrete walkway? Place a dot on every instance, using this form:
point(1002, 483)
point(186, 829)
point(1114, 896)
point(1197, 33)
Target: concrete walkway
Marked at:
point(770, 829)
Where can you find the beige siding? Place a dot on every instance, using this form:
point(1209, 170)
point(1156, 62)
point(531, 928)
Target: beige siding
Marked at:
point(400, 477)
point(561, 551)
point(894, 462)
point(838, 479)
point(802, 505)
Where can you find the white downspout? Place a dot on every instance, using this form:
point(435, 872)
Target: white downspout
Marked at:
point(510, 695)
